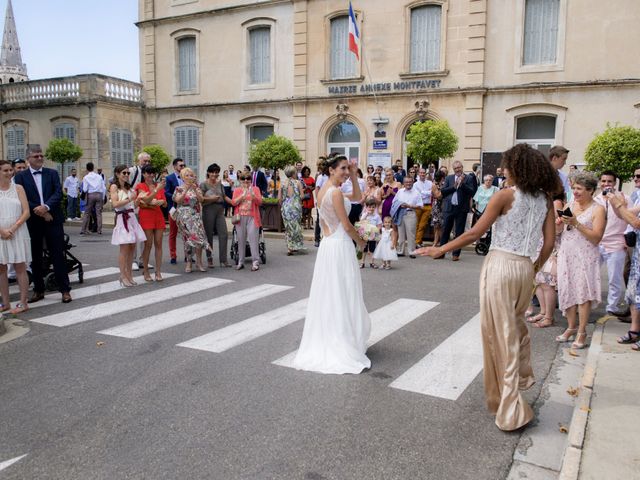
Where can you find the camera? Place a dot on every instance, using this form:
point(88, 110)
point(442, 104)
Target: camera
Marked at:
point(607, 191)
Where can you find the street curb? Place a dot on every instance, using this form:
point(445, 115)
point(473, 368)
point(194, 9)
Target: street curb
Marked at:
point(580, 418)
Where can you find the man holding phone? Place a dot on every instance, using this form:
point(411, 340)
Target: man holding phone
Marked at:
point(612, 246)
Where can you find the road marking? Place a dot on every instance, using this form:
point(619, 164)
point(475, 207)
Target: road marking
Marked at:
point(449, 368)
point(155, 323)
point(8, 463)
point(236, 334)
point(384, 322)
point(101, 272)
point(90, 291)
point(114, 307)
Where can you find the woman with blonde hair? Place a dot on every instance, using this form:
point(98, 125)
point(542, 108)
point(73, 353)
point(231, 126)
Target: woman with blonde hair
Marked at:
point(188, 198)
point(290, 202)
point(127, 232)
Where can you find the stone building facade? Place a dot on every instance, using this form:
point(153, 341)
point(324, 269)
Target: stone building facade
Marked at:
point(217, 74)
point(499, 71)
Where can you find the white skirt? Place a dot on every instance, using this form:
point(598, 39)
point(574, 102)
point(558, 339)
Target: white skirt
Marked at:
point(337, 325)
point(18, 249)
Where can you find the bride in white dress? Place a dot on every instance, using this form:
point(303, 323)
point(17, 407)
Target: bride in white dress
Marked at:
point(337, 325)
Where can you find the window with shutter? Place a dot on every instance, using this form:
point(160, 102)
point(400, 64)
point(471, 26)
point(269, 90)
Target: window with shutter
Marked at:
point(16, 142)
point(121, 147)
point(260, 55)
point(187, 64)
point(540, 32)
point(426, 34)
point(342, 60)
point(188, 146)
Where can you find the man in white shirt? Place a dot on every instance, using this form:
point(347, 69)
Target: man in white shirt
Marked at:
point(321, 178)
point(558, 157)
point(423, 187)
point(93, 185)
point(613, 251)
point(408, 200)
point(356, 206)
point(71, 188)
point(299, 166)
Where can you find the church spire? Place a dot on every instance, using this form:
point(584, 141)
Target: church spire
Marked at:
point(11, 67)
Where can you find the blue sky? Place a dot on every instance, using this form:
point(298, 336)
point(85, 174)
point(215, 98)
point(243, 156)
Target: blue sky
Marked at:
point(71, 37)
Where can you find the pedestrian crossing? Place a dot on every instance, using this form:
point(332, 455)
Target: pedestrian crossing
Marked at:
point(445, 372)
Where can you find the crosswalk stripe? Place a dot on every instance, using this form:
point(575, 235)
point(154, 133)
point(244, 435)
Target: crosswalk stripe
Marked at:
point(100, 272)
point(238, 333)
point(121, 305)
point(90, 291)
point(384, 322)
point(449, 368)
point(155, 323)
point(8, 463)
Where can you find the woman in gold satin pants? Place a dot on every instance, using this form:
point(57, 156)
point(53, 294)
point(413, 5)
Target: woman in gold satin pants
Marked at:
point(522, 214)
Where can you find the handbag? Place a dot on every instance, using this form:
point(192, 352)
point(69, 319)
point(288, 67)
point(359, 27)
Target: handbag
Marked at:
point(630, 239)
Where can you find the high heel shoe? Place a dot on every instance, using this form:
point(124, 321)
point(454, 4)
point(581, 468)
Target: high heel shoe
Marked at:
point(125, 283)
point(159, 277)
point(187, 269)
point(568, 335)
point(147, 277)
point(580, 345)
point(201, 268)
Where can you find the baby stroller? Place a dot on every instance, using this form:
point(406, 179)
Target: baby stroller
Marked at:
point(247, 253)
point(483, 243)
point(72, 263)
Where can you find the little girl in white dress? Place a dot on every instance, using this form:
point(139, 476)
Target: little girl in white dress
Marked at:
point(384, 251)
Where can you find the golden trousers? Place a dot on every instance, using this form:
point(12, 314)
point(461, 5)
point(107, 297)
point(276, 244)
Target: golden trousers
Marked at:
point(423, 214)
point(505, 293)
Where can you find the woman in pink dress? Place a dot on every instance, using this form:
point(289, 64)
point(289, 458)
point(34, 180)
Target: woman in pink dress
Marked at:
point(579, 259)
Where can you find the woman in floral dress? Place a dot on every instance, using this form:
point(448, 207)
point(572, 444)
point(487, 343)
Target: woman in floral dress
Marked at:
point(188, 199)
point(436, 206)
point(291, 208)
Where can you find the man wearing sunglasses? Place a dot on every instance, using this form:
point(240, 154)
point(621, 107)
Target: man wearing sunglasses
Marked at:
point(173, 180)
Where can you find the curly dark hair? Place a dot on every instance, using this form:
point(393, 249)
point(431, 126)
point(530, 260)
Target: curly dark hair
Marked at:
point(530, 170)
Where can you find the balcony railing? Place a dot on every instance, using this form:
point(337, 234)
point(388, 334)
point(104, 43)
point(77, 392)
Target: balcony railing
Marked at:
point(69, 90)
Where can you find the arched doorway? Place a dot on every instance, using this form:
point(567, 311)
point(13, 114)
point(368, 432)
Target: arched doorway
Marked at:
point(344, 139)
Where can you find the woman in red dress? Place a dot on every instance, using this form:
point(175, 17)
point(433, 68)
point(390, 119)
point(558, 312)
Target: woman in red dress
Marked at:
point(307, 196)
point(150, 198)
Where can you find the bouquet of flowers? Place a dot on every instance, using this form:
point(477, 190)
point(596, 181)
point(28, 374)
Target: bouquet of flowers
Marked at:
point(368, 233)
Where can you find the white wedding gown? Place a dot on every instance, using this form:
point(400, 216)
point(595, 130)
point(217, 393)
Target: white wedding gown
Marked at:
point(337, 325)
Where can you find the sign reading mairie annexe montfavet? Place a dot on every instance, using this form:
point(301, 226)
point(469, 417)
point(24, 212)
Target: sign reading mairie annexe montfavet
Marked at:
point(384, 87)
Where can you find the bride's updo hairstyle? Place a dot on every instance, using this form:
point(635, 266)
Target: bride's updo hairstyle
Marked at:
point(332, 162)
point(530, 170)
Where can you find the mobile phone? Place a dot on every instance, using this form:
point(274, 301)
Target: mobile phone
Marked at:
point(565, 213)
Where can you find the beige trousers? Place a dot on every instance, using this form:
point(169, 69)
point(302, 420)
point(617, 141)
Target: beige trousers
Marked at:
point(506, 286)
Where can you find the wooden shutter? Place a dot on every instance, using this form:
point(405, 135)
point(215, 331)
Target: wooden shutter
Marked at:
point(116, 157)
point(425, 38)
point(540, 32)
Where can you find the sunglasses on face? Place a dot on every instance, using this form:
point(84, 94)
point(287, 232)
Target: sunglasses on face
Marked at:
point(124, 173)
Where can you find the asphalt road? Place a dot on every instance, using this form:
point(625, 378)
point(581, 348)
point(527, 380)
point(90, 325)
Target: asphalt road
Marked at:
point(86, 405)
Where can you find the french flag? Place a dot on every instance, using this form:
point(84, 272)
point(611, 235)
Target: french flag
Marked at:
point(354, 34)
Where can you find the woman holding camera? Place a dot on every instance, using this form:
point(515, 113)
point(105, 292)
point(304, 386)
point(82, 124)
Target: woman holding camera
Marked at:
point(579, 258)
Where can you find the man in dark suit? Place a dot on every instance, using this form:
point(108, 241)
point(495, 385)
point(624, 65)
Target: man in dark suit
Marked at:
point(457, 192)
point(258, 179)
point(44, 193)
point(172, 181)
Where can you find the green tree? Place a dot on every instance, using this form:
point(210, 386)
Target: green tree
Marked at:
point(159, 157)
point(63, 150)
point(616, 149)
point(274, 152)
point(431, 140)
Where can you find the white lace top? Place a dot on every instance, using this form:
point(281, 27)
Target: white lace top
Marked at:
point(519, 231)
point(327, 211)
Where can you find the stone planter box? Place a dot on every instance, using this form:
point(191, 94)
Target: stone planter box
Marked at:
point(271, 217)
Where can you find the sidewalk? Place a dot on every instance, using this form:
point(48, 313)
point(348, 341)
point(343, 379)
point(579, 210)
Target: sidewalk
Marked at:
point(603, 436)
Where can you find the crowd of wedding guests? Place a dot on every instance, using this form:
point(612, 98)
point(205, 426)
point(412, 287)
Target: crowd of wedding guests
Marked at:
point(595, 224)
